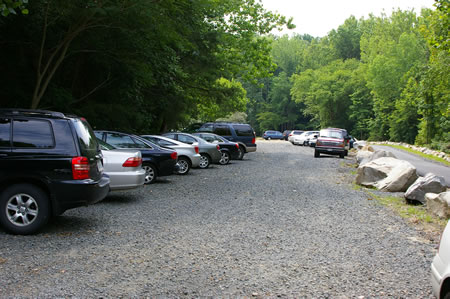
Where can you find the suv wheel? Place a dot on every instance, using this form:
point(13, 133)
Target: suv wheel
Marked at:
point(24, 209)
point(241, 153)
point(205, 160)
point(184, 165)
point(225, 159)
point(150, 173)
point(316, 154)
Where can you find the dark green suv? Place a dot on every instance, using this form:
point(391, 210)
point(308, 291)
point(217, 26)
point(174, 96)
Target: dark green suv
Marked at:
point(243, 134)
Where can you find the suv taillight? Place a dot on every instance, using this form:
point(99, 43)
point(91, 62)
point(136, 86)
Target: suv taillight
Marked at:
point(196, 149)
point(174, 155)
point(132, 162)
point(80, 168)
point(253, 140)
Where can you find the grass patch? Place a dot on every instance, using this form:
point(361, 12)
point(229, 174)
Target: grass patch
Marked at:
point(417, 214)
point(410, 150)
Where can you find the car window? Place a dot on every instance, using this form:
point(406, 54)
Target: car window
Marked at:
point(223, 130)
point(120, 140)
point(171, 136)
point(163, 142)
point(86, 138)
point(104, 145)
point(33, 134)
point(186, 139)
point(297, 132)
point(140, 143)
point(207, 128)
point(331, 133)
point(243, 130)
point(5, 131)
point(99, 135)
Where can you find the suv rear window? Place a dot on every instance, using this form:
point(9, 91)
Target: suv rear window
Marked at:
point(223, 130)
point(5, 126)
point(332, 134)
point(86, 138)
point(32, 134)
point(243, 130)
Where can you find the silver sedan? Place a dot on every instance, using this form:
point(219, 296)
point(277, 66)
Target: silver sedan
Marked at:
point(210, 153)
point(124, 167)
point(188, 155)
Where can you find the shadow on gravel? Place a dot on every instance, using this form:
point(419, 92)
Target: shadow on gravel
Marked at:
point(68, 225)
point(118, 199)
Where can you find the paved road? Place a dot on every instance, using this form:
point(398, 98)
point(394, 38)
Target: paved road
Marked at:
point(422, 165)
point(278, 223)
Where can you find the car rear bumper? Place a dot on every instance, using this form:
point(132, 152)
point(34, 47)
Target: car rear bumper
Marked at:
point(167, 167)
point(330, 150)
point(124, 180)
point(76, 193)
point(250, 148)
point(437, 271)
point(195, 160)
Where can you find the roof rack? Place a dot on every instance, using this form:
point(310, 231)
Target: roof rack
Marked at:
point(32, 112)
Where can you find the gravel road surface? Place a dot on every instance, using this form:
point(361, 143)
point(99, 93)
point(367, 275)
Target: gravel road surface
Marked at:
point(278, 223)
point(422, 165)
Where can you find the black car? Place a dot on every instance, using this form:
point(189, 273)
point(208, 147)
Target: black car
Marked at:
point(49, 162)
point(229, 150)
point(243, 134)
point(286, 134)
point(156, 161)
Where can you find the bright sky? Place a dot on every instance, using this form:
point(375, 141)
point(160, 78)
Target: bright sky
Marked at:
point(318, 17)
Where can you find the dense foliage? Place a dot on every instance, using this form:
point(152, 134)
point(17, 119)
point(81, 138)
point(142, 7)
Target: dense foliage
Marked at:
point(139, 66)
point(153, 65)
point(381, 78)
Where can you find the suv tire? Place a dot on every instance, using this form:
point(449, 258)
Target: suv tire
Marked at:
point(316, 154)
point(24, 209)
point(241, 153)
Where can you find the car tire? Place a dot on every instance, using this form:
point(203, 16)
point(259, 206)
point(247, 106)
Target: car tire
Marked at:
point(184, 165)
point(316, 154)
point(342, 155)
point(446, 295)
point(241, 153)
point(346, 153)
point(25, 208)
point(205, 161)
point(268, 138)
point(150, 173)
point(225, 159)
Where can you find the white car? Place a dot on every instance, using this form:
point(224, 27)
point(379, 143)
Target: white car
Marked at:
point(302, 138)
point(294, 133)
point(440, 267)
point(124, 167)
point(188, 155)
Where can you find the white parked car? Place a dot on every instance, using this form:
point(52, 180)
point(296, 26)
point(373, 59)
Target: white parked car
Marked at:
point(124, 167)
point(188, 155)
point(302, 138)
point(294, 133)
point(440, 267)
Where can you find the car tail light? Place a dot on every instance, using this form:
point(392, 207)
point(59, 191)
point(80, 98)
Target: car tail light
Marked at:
point(290, 134)
point(218, 147)
point(132, 162)
point(253, 140)
point(196, 149)
point(237, 145)
point(174, 155)
point(80, 168)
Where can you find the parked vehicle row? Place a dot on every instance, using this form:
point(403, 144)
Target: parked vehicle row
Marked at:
point(51, 162)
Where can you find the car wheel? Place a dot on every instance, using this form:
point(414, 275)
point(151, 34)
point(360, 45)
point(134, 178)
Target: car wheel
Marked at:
point(205, 160)
point(241, 153)
point(24, 209)
point(304, 143)
point(447, 295)
point(150, 173)
point(316, 154)
point(225, 159)
point(346, 153)
point(342, 155)
point(184, 165)
point(268, 138)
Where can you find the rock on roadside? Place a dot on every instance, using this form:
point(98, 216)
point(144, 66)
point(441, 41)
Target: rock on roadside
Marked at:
point(430, 183)
point(439, 204)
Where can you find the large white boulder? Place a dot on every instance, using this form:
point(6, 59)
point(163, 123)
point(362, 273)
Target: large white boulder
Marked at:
point(439, 204)
point(387, 174)
point(366, 158)
point(430, 183)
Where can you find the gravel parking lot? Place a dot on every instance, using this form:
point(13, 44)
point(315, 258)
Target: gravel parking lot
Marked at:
point(278, 223)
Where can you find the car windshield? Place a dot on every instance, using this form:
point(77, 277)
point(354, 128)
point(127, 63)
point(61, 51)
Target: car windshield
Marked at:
point(331, 134)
